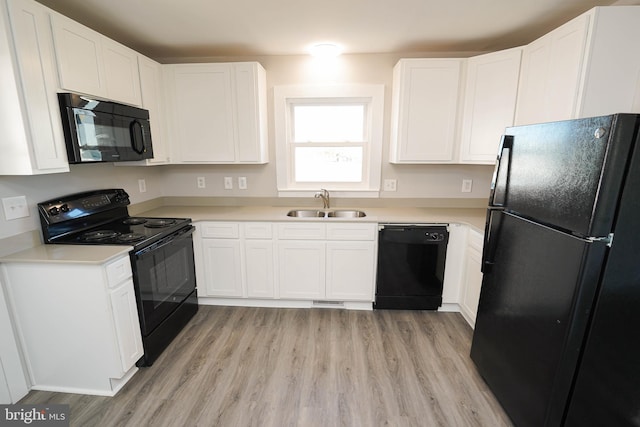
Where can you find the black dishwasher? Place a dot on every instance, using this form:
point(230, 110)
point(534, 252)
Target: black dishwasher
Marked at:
point(411, 262)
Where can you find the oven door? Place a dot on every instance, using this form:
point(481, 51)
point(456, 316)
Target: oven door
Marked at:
point(164, 276)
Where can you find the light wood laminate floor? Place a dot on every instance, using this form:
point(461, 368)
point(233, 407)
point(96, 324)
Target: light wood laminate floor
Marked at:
point(239, 366)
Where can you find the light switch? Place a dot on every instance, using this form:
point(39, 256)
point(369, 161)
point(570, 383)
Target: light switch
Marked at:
point(15, 207)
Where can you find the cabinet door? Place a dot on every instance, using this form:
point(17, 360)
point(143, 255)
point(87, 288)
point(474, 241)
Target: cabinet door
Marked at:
point(251, 121)
point(34, 53)
point(153, 100)
point(552, 74)
point(203, 111)
point(532, 90)
point(490, 103)
point(350, 271)
point(567, 58)
point(222, 267)
point(79, 56)
point(301, 270)
point(121, 72)
point(424, 112)
point(125, 317)
point(258, 256)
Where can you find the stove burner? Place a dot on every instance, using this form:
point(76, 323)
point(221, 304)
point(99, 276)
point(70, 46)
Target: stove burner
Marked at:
point(130, 237)
point(98, 235)
point(159, 223)
point(134, 221)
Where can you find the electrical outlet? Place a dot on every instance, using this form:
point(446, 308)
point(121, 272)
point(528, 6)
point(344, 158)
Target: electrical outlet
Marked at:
point(15, 207)
point(390, 184)
point(228, 183)
point(467, 184)
point(142, 185)
point(201, 182)
point(242, 183)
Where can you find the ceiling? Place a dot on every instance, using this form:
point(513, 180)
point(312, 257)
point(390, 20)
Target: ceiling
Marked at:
point(170, 29)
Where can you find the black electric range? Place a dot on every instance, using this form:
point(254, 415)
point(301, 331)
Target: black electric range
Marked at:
point(162, 260)
point(101, 218)
point(138, 232)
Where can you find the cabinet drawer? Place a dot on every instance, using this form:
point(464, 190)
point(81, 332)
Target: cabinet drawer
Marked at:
point(118, 271)
point(220, 230)
point(302, 231)
point(351, 231)
point(257, 230)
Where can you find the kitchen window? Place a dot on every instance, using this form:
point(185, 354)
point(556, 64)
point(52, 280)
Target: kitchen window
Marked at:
point(328, 137)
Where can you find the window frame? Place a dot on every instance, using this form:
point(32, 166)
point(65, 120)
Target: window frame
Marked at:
point(370, 95)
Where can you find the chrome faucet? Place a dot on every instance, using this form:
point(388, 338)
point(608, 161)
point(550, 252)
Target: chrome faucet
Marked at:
point(324, 195)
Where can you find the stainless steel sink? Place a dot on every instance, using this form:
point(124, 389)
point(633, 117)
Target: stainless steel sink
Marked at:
point(306, 213)
point(312, 213)
point(346, 214)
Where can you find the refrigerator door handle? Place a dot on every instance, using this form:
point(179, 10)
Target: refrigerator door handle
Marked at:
point(500, 180)
point(491, 230)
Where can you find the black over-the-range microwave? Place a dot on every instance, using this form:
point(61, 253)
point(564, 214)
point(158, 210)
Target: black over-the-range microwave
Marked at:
point(104, 131)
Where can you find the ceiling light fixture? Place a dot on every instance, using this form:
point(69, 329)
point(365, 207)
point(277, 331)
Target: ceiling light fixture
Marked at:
point(325, 50)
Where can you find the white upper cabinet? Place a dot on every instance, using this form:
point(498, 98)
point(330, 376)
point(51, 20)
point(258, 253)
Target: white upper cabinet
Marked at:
point(489, 104)
point(121, 72)
point(424, 110)
point(584, 68)
point(92, 64)
point(551, 69)
point(152, 91)
point(217, 112)
point(31, 139)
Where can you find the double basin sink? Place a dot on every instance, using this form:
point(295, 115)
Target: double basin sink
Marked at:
point(313, 213)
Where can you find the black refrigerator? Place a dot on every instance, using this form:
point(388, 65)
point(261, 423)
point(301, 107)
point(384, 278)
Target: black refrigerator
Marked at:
point(557, 335)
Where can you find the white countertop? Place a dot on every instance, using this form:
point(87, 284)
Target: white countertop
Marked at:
point(469, 216)
point(100, 254)
point(78, 254)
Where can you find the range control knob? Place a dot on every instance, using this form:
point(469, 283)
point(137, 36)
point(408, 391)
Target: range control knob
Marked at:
point(54, 210)
point(64, 208)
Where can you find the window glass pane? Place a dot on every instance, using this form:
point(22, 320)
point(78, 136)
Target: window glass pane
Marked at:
point(328, 164)
point(328, 123)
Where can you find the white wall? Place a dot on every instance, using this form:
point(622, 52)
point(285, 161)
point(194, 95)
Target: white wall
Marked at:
point(414, 181)
point(81, 178)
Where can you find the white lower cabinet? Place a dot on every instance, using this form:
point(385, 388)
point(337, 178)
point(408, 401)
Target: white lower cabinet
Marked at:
point(293, 261)
point(350, 274)
point(221, 264)
point(258, 256)
point(338, 265)
point(77, 324)
point(301, 269)
point(223, 276)
point(471, 277)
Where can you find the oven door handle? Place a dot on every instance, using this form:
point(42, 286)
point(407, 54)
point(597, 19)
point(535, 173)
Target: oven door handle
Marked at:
point(180, 234)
